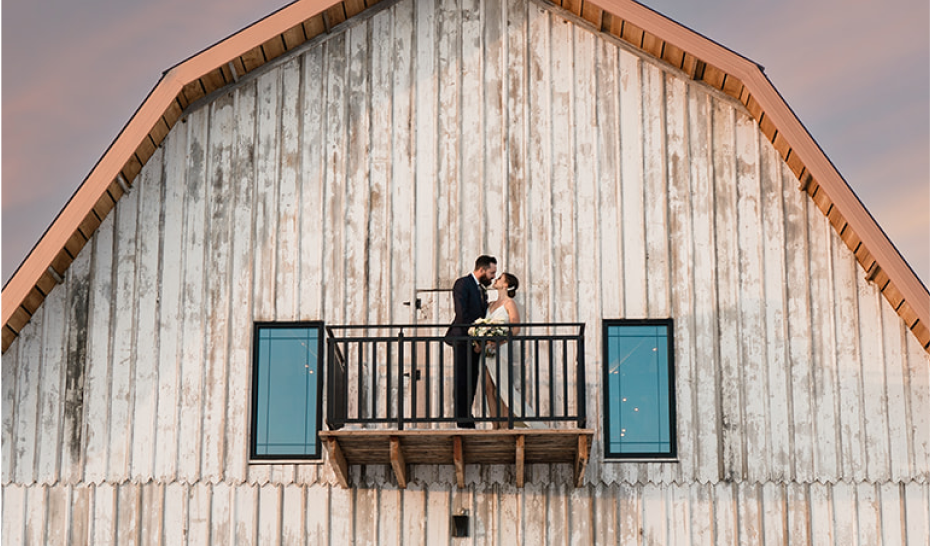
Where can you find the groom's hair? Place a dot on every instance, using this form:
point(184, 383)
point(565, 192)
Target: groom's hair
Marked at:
point(484, 261)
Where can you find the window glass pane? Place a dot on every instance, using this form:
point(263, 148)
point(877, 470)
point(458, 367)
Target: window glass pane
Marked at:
point(286, 391)
point(638, 390)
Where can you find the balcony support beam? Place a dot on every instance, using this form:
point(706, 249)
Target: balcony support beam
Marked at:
point(337, 462)
point(398, 463)
point(458, 459)
point(521, 456)
point(581, 459)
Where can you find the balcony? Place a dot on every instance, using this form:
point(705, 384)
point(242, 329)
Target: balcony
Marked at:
point(390, 399)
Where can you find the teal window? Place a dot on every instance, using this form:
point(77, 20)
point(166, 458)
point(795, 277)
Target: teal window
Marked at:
point(639, 394)
point(287, 390)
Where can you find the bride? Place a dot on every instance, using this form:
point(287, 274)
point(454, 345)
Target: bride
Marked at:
point(504, 309)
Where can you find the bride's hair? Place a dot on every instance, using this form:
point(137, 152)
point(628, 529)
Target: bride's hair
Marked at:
point(512, 283)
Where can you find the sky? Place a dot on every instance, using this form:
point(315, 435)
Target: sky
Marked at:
point(856, 73)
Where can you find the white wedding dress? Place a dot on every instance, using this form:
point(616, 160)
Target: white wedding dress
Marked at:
point(502, 383)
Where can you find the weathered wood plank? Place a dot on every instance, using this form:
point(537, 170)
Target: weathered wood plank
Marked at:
point(844, 507)
point(242, 176)
point(774, 509)
point(104, 514)
point(129, 513)
point(733, 433)
point(436, 515)
point(170, 310)
point(217, 300)
point(49, 417)
point(494, 220)
point(99, 370)
point(609, 302)
point(823, 334)
point(800, 349)
point(36, 509)
point(472, 208)
point(633, 216)
point(313, 159)
point(630, 504)
point(10, 369)
point(287, 270)
point(516, 68)
point(849, 367)
point(681, 262)
point(145, 383)
point(14, 514)
point(868, 513)
point(194, 251)
point(221, 516)
point(654, 515)
point(919, 374)
point(268, 97)
point(317, 515)
point(917, 510)
point(897, 378)
point(726, 512)
point(357, 194)
point(656, 192)
point(775, 295)
point(538, 283)
point(752, 349)
point(124, 328)
point(892, 507)
point(28, 382)
point(269, 514)
point(705, 295)
point(586, 197)
point(365, 511)
point(821, 523)
point(177, 504)
point(246, 514)
point(380, 291)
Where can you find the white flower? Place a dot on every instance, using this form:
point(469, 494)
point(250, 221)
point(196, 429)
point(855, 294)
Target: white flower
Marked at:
point(486, 327)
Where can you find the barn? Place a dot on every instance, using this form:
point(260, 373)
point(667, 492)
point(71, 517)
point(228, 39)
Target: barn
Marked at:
point(232, 333)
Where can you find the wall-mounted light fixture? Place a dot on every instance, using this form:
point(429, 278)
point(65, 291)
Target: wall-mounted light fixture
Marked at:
point(460, 524)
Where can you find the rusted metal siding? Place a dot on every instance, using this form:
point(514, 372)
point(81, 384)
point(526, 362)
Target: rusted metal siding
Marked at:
point(336, 181)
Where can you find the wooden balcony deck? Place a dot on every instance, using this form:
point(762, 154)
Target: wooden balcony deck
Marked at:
point(400, 448)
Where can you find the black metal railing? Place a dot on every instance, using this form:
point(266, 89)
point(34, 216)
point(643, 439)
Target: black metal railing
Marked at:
point(398, 375)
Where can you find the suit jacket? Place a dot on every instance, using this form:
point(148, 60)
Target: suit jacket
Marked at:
point(469, 306)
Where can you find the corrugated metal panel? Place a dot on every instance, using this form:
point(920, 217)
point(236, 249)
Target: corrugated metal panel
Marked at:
point(336, 181)
point(540, 514)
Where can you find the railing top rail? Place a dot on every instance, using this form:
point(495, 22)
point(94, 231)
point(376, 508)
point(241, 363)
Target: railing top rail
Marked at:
point(444, 326)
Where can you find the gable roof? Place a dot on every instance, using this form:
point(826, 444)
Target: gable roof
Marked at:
point(652, 33)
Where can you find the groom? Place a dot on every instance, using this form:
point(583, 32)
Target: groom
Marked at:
point(471, 302)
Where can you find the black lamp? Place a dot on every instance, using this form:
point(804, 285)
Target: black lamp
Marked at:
point(460, 525)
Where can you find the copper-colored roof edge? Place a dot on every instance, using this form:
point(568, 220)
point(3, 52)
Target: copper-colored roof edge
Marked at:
point(136, 130)
point(831, 182)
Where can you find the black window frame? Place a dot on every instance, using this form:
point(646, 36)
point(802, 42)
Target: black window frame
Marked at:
point(253, 411)
point(672, 416)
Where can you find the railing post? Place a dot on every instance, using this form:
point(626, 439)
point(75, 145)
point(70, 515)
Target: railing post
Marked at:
point(400, 380)
point(510, 378)
point(580, 380)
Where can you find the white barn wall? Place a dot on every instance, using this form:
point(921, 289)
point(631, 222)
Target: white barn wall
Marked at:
point(382, 159)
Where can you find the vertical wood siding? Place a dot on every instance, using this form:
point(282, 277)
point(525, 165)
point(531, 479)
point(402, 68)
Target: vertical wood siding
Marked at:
point(338, 180)
point(538, 515)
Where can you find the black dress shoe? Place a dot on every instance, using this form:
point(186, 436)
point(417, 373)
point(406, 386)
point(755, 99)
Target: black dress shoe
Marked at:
point(465, 424)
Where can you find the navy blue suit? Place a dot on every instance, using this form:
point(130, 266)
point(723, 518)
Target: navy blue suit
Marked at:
point(470, 304)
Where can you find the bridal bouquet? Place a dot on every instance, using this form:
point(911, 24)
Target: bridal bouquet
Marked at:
point(485, 327)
